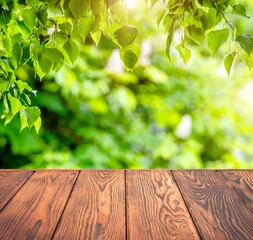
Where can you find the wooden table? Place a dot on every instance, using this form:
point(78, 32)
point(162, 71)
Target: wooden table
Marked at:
point(118, 204)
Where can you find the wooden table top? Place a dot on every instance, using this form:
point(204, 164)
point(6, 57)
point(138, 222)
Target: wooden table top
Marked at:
point(126, 204)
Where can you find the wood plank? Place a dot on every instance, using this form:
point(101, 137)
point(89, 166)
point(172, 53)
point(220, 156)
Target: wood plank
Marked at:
point(96, 208)
point(217, 210)
point(155, 208)
point(242, 183)
point(34, 211)
point(10, 183)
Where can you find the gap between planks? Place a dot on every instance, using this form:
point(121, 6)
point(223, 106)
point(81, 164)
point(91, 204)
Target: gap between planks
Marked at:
point(78, 174)
point(18, 189)
point(185, 203)
point(125, 192)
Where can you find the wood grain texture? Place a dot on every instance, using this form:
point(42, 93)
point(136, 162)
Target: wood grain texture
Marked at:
point(96, 208)
point(217, 210)
point(10, 182)
point(155, 208)
point(242, 183)
point(34, 211)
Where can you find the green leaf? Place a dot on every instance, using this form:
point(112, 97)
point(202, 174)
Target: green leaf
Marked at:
point(160, 16)
point(85, 26)
point(37, 125)
point(228, 62)
point(53, 54)
point(72, 50)
point(168, 21)
point(7, 113)
point(61, 38)
point(130, 55)
point(79, 8)
point(42, 16)
point(23, 119)
point(38, 70)
point(28, 100)
point(168, 45)
point(246, 43)
point(14, 103)
point(5, 17)
point(12, 63)
point(66, 27)
point(3, 86)
point(6, 41)
point(22, 86)
point(248, 60)
point(196, 34)
point(96, 37)
point(8, 118)
point(126, 35)
point(6, 105)
point(240, 10)
point(29, 17)
point(57, 66)
point(215, 39)
point(16, 38)
point(97, 24)
point(32, 114)
point(185, 53)
point(194, 20)
point(17, 52)
point(135, 48)
point(45, 63)
point(209, 20)
point(130, 59)
point(201, 8)
point(33, 2)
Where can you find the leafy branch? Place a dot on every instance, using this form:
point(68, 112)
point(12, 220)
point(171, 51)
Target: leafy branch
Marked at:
point(45, 35)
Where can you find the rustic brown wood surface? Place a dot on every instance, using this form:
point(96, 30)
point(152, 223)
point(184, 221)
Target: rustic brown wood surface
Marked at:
point(242, 183)
point(96, 209)
point(218, 211)
point(33, 213)
point(119, 204)
point(155, 208)
point(10, 182)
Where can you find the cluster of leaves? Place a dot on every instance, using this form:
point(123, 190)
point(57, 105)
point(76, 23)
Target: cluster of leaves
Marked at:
point(46, 34)
point(205, 20)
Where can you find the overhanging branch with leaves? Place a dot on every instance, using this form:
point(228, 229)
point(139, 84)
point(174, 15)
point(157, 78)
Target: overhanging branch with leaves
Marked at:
point(47, 34)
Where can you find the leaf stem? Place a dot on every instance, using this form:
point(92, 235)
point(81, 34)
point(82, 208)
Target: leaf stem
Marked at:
point(226, 20)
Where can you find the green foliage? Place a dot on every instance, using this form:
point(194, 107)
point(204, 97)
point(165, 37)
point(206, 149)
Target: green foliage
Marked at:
point(151, 112)
point(46, 34)
point(97, 118)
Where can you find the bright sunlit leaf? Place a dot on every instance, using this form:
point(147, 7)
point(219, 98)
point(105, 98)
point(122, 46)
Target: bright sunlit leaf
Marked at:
point(228, 62)
point(215, 39)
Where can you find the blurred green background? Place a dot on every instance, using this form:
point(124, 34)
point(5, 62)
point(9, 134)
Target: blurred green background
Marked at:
point(164, 114)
